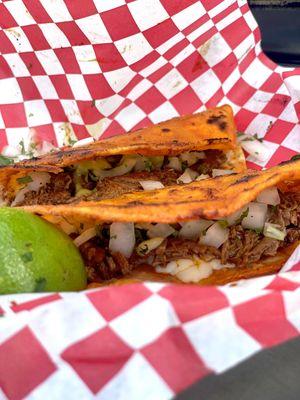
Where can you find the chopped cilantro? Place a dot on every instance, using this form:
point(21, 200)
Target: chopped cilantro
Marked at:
point(295, 157)
point(239, 134)
point(72, 142)
point(30, 115)
point(22, 145)
point(257, 230)
point(148, 165)
point(40, 284)
point(273, 208)
point(27, 257)
point(5, 160)
point(113, 236)
point(223, 223)
point(93, 103)
point(184, 165)
point(258, 138)
point(243, 215)
point(25, 179)
point(29, 66)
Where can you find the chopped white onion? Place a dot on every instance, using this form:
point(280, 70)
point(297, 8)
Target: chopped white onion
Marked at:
point(188, 176)
point(39, 179)
point(151, 185)
point(85, 236)
point(143, 225)
point(274, 231)
point(175, 163)
point(148, 245)
point(215, 236)
point(160, 230)
point(269, 196)
point(256, 216)
point(122, 238)
point(220, 172)
point(192, 157)
point(201, 177)
point(46, 147)
point(254, 147)
point(10, 151)
point(233, 218)
point(141, 163)
point(126, 166)
point(157, 161)
point(192, 229)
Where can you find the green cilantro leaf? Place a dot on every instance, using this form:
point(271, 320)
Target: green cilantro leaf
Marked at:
point(148, 165)
point(6, 160)
point(243, 215)
point(258, 138)
point(22, 145)
point(24, 179)
point(223, 223)
point(295, 157)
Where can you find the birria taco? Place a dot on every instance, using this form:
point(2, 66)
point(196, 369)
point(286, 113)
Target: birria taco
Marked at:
point(177, 151)
point(211, 232)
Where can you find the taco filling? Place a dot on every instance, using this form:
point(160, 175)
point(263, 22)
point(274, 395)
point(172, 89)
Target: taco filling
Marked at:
point(113, 176)
point(191, 251)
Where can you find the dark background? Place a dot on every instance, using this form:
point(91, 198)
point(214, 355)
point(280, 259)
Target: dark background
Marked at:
point(279, 22)
point(272, 374)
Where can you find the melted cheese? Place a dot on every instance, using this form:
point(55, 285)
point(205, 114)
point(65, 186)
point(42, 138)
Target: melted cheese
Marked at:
point(192, 270)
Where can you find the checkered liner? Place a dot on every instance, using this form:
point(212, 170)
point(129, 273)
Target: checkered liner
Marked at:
point(72, 69)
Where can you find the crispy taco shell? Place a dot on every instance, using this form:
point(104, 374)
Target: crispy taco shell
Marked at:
point(211, 129)
point(211, 199)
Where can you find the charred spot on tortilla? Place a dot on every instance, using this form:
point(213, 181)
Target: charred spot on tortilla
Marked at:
point(218, 120)
point(165, 130)
point(244, 179)
point(217, 140)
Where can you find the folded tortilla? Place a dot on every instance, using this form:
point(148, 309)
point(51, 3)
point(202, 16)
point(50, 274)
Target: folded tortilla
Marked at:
point(212, 231)
point(199, 145)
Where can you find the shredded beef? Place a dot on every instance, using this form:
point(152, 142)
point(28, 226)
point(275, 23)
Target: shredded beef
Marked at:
point(59, 190)
point(112, 187)
point(173, 249)
point(242, 248)
point(101, 264)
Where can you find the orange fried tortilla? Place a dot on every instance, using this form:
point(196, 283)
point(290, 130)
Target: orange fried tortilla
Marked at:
point(211, 129)
point(213, 198)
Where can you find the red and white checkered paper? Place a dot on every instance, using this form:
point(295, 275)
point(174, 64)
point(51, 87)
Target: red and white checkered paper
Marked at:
point(71, 69)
